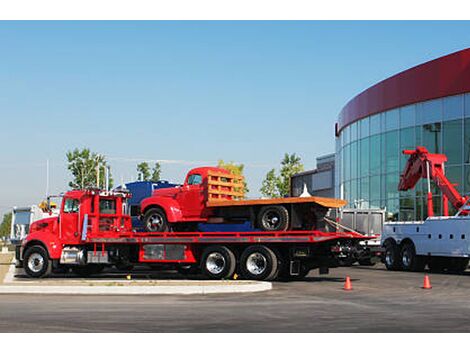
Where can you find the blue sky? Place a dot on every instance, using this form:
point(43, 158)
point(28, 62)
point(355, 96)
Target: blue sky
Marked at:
point(189, 92)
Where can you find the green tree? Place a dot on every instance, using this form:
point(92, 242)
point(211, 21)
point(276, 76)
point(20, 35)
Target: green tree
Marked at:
point(269, 186)
point(83, 165)
point(236, 169)
point(5, 226)
point(143, 170)
point(273, 185)
point(290, 165)
point(156, 172)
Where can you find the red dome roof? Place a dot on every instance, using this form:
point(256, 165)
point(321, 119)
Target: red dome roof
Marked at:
point(447, 75)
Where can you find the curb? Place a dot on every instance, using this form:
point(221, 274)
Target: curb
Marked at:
point(136, 290)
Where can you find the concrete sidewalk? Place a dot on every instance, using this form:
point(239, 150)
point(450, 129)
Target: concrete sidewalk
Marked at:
point(14, 282)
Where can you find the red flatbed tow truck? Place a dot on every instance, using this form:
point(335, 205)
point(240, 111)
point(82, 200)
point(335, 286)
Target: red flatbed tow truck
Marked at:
point(93, 231)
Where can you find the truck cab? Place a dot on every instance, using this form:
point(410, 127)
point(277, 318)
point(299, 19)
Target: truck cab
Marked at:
point(61, 240)
point(184, 204)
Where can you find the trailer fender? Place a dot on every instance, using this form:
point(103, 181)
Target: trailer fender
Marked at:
point(170, 207)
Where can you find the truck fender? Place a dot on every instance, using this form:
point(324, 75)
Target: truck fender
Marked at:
point(40, 238)
point(170, 207)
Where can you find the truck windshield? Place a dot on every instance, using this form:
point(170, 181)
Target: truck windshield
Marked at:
point(107, 206)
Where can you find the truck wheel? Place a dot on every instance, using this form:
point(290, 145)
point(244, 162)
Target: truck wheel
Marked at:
point(392, 256)
point(155, 221)
point(409, 260)
point(273, 218)
point(36, 262)
point(87, 270)
point(259, 263)
point(218, 262)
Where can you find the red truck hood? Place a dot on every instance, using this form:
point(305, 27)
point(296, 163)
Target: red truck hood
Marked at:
point(166, 192)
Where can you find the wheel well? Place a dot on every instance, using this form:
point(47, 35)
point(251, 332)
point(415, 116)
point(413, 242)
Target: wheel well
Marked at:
point(36, 243)
point(406, 241)
point(153, 206)
point(390, 241)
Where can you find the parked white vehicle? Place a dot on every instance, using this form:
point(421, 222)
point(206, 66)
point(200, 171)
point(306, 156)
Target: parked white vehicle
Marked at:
point(23, 217)
point(441, 242)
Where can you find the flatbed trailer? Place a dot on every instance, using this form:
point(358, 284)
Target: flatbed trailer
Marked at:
point(93, 231)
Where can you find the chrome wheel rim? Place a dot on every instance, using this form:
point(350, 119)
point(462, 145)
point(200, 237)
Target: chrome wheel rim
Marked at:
point(256, 263)
point(155, 222)
point(215, 263)
point(389, 258)
point(271, 220)
point(406, 258)
point(35, 262)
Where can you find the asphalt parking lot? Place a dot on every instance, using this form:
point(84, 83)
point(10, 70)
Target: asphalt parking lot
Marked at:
point(380, 301)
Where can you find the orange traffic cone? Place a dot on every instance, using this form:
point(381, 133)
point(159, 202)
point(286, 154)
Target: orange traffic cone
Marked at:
point(347, 284)
point(427, 283)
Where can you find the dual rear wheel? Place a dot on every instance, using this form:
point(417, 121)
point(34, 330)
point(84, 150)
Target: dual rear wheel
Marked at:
point(255, 263)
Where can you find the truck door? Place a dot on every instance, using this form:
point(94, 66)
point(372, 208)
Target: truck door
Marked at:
point(191, 197)
point(69, 219)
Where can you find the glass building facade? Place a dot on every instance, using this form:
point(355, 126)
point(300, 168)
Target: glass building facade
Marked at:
point(369, 158)
point(427, 105)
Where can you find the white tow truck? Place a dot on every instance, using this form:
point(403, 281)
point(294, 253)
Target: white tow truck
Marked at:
point(440, 242)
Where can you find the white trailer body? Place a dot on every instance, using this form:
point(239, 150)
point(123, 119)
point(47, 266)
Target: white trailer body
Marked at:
point(445, 236)
point(441, 242)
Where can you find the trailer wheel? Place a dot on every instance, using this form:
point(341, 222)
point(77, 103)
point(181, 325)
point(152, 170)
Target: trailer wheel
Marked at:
point(392, 256)
point(155, 220)
point(409, 260)
point(259, 263)
point(218, 262)
point(273, 218)
point(36, 262)
point(87, 270)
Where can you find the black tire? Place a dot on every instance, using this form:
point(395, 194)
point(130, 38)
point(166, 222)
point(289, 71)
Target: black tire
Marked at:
point(218, 262)
point(87, 270)
point(259, 263)
point(392, 256)
point(273, 218)
point(409, 261)
point(36, 262)
point(458, 265)
point(155, 221)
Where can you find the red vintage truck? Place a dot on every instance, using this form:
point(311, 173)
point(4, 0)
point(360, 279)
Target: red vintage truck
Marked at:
point(214, 195)
point(93, 231)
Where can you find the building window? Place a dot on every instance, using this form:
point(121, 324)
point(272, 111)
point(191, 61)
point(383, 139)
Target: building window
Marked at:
point(392, 119)
point(432, 137)
point(364, 129)
point(452, 141)
point(408, 116)
point(429, 111)
point(375, 156)
point(391, 151)
point(374, 124)
point(467, 105)
point(466, 141)
point(364, 156)
point(407, 141)
point(452, 107)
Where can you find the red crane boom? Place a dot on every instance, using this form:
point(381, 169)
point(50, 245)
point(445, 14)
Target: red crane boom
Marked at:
point(422, 164)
